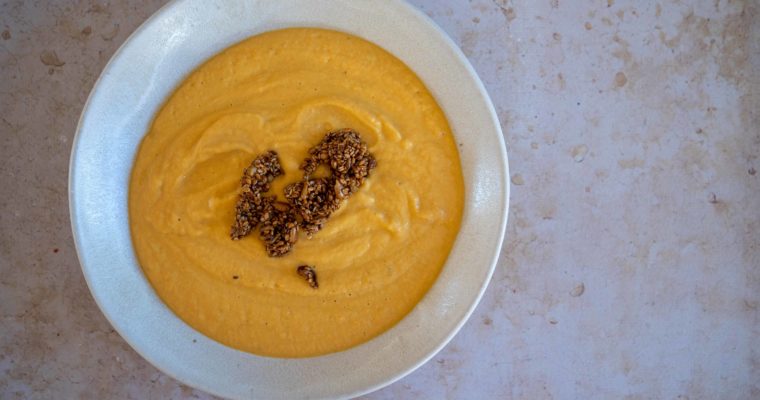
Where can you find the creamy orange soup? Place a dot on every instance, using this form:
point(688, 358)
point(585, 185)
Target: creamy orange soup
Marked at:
point(375, 258)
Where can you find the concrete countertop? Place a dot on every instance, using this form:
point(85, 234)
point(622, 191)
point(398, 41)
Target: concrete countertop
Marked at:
point(631, 267)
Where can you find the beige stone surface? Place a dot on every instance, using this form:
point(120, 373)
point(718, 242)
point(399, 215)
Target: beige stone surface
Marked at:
point(631, 267)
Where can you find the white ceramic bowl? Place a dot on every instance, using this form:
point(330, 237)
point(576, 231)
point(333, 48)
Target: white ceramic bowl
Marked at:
point(150, 64)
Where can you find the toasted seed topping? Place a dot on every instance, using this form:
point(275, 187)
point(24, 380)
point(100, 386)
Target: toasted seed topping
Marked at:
point(279, 230)
point(310, 274)
point(311, 201)
point(252, 206)
point(347, 156)
point(314, 200)
point(350, 162)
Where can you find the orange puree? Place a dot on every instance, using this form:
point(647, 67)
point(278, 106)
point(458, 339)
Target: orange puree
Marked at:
point(375, 258)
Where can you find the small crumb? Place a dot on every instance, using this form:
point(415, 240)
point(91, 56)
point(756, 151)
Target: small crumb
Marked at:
point(195, 341)
point(557, 36)
point(700, 131)
point(553, 321)
point(87, 30)
point(518, 180)
point(561, 81)
point(55, 250)
point(579, 153)
point(111, 34)
point(620, 79)
point(50, 58)
point(713, 199)
point(578, 290)
point(510, 14)
point(96, 8)
point(487, 321)
point(235, 277)
point(476, 20)
point(588, 26)
point(6, 34)
point(310, 274)
point(610, 3)
point(752, 171)
point(534, 145)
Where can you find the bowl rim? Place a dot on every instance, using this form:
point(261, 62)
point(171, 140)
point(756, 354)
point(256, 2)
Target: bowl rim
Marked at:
point(74, 202)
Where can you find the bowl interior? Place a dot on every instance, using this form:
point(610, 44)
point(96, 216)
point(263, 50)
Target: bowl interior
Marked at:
point(150, 64)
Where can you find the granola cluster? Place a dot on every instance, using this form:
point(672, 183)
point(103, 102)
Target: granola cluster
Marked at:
point(310, 274)
point(252, 205)
point(347, 155)
point(350, 163)
point(311, 201)
point(314, 200)
point(280, 230)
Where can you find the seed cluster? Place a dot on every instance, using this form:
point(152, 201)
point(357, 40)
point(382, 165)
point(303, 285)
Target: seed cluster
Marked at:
point(253, 206)
point(346, 154)
point(314, 200)
point(350, 163)
point(311, 201)
point(310, 274)
point(280, 231)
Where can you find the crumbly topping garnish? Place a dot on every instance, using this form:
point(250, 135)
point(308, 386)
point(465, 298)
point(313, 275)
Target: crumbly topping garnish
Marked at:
point(279, 229)
point(347, 156)
point(311, 201)
point(310, 274)
point(350, 163)
point(252, 205)
point(262, 172)
point(314, 200)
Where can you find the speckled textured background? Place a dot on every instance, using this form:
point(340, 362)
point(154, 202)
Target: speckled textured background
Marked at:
point(631, 267)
